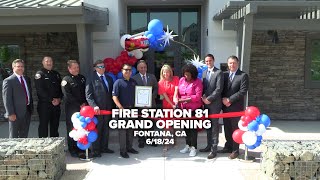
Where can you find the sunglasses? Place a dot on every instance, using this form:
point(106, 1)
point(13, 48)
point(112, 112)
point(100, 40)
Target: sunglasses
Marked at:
point(100, 67)
point(126, 69)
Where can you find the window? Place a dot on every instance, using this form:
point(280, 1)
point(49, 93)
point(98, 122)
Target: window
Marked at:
point(312, 68)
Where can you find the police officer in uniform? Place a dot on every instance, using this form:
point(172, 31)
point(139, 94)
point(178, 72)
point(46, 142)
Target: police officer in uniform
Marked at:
point(47, 83)
point(73, 88)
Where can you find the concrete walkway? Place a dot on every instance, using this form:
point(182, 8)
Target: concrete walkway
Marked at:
point(151, 163)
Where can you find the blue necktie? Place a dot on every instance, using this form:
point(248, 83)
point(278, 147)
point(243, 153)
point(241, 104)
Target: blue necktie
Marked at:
point(104, 84)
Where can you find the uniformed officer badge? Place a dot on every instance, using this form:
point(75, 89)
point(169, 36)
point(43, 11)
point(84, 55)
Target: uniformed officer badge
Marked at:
point(37, 76)
point(63, 82)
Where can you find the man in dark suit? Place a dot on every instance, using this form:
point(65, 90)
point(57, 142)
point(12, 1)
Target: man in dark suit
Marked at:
point(236, 84)
point(17, 99)
point(145, 79)
point(212, 89)
point(99, 96)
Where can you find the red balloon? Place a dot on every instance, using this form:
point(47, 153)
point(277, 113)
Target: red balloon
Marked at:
point(252, 111)
point(87, 111)
point(83, 140)
point(237, 136)
point(248, 119)
point(90, 126)
point(95, 130)
point(244, 123)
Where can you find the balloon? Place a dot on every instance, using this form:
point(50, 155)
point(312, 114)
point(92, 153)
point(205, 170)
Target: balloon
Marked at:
point(83, 140)
point(248, 119)
point(259, 138)
point(237, 136)
point(252, 111)
point(251, 147)
point(83, 124)
point(77, 124)
point(155, 26)
point(265, 120)
point(123, 39)
point(137, 54)
point(82, 146)
point(72, 133)
point(134, 71)
point(95, 120)
point(253, 126)
point(75, 116)
point(87, 111)
point(114, 78)
point(87, 120)
point(241, 127)
point(120, 75)
point(81, 119)
point(151, 38)
point(261, 130)
point(92, 136)
point(90, 126)
point(249, 138)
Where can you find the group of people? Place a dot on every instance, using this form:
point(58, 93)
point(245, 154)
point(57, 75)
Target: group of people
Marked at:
point(216, 91)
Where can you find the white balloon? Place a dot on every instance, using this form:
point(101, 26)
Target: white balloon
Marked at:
point(123, 39)
point(74, 117)
point(261, 130)
point(144, 50)
point(72, 133)
point(138, 54)
point(249, 138)
point(243, 128)
point(77, 124)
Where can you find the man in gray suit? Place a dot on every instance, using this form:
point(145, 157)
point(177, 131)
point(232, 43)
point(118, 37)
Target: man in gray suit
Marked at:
point(236, 84)
point(99, 96)
point(17, 99)
point(145, 79)
point(212, 89)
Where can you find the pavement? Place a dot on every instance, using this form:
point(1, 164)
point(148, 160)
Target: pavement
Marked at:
point(152, 163)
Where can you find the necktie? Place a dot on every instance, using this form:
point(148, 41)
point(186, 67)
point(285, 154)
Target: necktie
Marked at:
point(144, 80)
point(104, 84)
point(208, 75)
point(231, 76)
point(24, 88)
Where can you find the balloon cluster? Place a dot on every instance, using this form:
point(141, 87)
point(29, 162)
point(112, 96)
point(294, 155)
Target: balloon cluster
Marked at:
point(154, 34)
point(113, 66)
point(84, 127)
point(198, 64)
point(251, 127)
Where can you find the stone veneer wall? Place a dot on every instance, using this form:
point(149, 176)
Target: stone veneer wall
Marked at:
point(286, 160)
point(61, 46)
point(277, 77)
point(33, 158)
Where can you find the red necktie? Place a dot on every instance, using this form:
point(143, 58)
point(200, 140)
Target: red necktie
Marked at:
point(24, 88)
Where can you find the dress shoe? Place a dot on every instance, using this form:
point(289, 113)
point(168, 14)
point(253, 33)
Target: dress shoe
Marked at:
point(141, 145)
point(206, 149)
point(133, 151)
point(96, 154)
point(224, 151)
point(212, 155)
point(107, 150)
point(124, 155)
point(234, 155)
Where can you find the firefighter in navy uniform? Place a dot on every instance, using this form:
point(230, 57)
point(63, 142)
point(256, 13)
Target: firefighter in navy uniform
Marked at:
point(73, 88)
point(47, 83)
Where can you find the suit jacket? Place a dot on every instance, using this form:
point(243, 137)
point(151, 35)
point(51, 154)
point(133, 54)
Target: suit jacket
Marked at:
point(151, 81)
point(96, 94)
point(14, 96)
point(235, 90)
point(212, 89)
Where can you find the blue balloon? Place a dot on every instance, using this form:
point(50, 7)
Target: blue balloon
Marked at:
point(77, 114)
point(251, 147)
point(155, 26)
point(259, 138)
point(114, 78)
point(87, 120)
point(95, 120)
point(204, 67)
point(265, 120)
point(82, 146)
point(151, 38)
point(146, 33)
point(92, 136)
point(253, 126)
point(120, 75)
point(200, 73)
point(134, 71)
point(257, 144)
point(81, 118)
point(258, 119)
point(83, 124)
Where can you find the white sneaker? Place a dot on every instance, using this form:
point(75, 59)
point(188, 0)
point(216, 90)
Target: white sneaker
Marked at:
point(193, 151)
point(185, 149)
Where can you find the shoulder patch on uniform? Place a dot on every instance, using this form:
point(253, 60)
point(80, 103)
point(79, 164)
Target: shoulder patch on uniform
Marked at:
point(37, 76)
point(63, 82)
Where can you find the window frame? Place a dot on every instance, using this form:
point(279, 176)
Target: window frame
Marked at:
point(310, 84)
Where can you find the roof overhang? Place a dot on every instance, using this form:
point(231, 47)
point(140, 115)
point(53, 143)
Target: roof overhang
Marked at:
point(298, 15)
point(49, 15)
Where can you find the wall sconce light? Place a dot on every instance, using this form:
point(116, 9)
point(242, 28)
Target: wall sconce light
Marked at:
point(274, 35)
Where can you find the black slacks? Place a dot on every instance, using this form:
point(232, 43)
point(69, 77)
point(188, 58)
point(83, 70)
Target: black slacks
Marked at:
point(48, 114)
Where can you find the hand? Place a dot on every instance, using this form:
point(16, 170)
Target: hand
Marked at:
point(56, 101)
point(226, 102)
point(12, 117)
point(96, 110)
point(205, 101)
